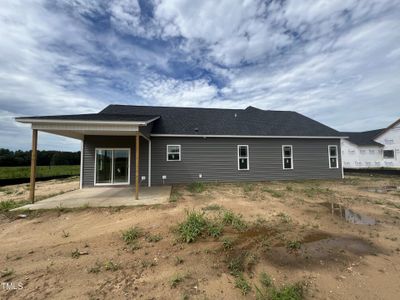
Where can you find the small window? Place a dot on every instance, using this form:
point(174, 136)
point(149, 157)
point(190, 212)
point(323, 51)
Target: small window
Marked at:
point(243, 157)
point(287, 157)
point(388, 153)
point(173, 152)
point(333, 157)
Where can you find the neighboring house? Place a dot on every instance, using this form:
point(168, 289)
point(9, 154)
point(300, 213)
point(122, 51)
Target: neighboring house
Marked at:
point(372, 149)
point(182, 145)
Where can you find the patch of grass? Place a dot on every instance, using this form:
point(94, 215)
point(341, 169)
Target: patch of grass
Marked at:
point(111, 266)
point(268, 291)
point(175, 280)
point(242, 284)
point(153, 238)
point(193, 227)
point(236, 221)
point(289, 188)
point(175, 195)
point(213, 207)
point(7, 205)
point(196, 187)
point(273, 193)
point(178, 260)
point(248, 187)
point(293, 245)
point(131, 235)
point(214, 229)
point(7, 273)
point(284, 218)
point(227, 244)
point(96, 268)
point(236, 264)
point(42, 171)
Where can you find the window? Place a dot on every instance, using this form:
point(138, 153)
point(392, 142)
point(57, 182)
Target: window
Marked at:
point(112, 166)
point(287, 157)
point(388, 153)
point(243, 157)
point(173, 152)
point(333, 157)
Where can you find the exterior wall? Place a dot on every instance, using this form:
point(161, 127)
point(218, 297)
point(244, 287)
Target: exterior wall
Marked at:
point(391, 141)
point(358, 157)
point(92, 142)
point(216, 160)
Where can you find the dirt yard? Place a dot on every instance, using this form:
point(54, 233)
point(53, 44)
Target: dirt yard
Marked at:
point(44, 189)
point(248, 234)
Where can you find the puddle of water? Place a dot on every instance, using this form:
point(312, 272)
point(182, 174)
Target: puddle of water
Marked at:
point(349, 215)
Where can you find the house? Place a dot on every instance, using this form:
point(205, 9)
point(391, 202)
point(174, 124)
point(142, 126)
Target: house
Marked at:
point(372, 149)
point(149, 145)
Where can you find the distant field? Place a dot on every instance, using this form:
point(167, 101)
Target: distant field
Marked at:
point(42, 171)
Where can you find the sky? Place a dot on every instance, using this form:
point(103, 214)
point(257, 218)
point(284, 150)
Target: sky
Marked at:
point(335, 61)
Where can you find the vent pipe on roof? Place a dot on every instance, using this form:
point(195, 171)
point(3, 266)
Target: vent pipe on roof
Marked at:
point(235, 115)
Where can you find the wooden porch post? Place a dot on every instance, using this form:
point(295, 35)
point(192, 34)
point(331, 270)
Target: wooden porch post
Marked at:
point(137, 167)
point(33, 166)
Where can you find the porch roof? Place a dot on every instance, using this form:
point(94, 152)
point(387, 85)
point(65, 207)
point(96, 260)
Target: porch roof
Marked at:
point(77, 126)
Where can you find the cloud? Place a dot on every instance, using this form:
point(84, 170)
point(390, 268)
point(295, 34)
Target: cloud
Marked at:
point(336, 61)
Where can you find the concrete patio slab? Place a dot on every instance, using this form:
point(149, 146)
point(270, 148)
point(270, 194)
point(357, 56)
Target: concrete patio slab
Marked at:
point(104, 197)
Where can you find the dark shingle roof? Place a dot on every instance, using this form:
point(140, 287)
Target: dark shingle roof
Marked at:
point(365, 138)
point(208, 121)
point(211, 121)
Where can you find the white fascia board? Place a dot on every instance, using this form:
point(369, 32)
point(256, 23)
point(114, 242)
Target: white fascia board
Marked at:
point(49, 121)
point(248, 136)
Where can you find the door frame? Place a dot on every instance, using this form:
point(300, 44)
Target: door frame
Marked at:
point(112, 166)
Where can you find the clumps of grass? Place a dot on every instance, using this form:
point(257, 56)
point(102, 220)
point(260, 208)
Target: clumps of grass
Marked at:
point(237, 264)
point(193, 227)
point(273, 193)
point(111, 266)
point(96, 268)
point(248, 187)
point(268, 291)
point(131, 235)
point(227, 244)
point(196, 187)
point(284, 218)
point(7, 273)
point(242, 284)
point(175, 195)
point(213, 207)
point(293, 245)
point(8, 205)
point(178, 260)
point(153, 238)
point(234, 220)
point(176, 279)
point(289, 188)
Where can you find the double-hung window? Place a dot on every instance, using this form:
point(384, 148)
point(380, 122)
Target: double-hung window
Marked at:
point(243, 157)
point(333, 156)
point(173, 152)
point(388, 153)
point(287, 157)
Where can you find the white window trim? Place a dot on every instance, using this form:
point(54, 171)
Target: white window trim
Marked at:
point(337, 156)
point(112, 167)
point(247, 157)
point(291, 157)
point(180, 153)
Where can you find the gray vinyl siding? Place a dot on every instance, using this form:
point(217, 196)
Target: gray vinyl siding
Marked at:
point(92, 142)
point(216, 160)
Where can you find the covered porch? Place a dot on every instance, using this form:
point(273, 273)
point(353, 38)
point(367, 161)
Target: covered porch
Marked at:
point(103, 166)
point(103, 197)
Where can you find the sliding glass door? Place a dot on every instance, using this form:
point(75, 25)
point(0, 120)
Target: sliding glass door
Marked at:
point(112, 166)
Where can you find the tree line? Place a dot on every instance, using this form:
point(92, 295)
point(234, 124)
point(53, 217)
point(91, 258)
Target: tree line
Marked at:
point(10, 158)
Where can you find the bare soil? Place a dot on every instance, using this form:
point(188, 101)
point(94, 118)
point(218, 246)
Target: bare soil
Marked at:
point(291, 234)
point(44, 189)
